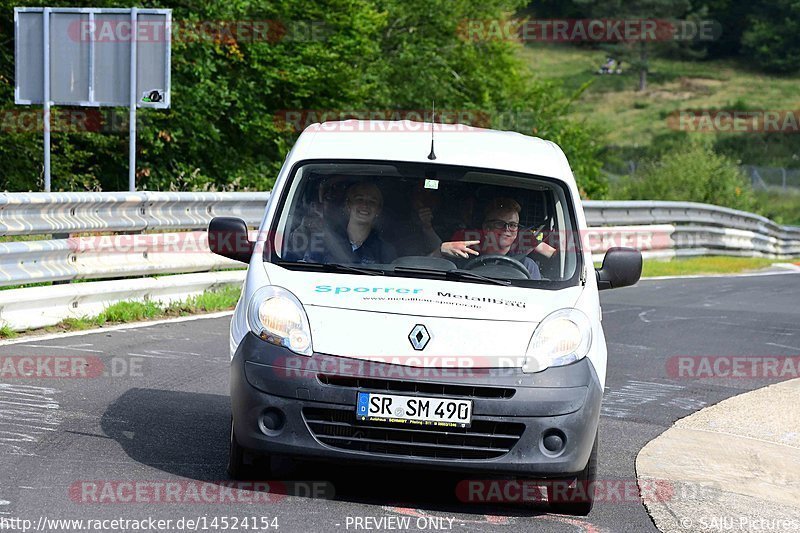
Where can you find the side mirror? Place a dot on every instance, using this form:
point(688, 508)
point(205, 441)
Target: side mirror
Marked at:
point(622, 267)
point(227, 236)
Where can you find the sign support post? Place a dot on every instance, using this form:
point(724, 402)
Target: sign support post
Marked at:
point(132, 112)
point(46, 94)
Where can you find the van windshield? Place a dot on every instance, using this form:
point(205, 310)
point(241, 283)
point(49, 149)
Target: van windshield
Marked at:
point(423, 220)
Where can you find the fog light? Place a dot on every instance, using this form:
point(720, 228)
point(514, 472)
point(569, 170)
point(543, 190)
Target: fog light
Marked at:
point(553, 442)
point(272, 421)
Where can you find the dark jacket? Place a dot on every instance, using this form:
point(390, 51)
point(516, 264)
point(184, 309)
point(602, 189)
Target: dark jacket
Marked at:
point(336, 248)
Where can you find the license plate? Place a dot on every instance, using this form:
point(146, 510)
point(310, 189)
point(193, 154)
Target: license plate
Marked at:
point(413, 410)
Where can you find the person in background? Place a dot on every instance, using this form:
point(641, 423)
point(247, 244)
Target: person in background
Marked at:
point(325, 210)
point(412, 233)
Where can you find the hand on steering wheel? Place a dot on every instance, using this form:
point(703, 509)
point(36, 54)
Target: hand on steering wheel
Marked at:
point(476, 262)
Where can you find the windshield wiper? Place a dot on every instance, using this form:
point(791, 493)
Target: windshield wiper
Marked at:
point(347, 268)
point(466, 274)
point(449, 274)
point(330, 267)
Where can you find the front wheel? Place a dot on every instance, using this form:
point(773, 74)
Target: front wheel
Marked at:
point(236, 455)
point(242, 464)
point(578, 501)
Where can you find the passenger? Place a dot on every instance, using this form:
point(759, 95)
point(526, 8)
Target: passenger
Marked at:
point(359, 241)
point(326, 210)
point(412, 232)
point(499, 233)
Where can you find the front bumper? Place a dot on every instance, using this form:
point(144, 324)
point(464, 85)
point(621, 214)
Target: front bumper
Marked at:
point(301, 406)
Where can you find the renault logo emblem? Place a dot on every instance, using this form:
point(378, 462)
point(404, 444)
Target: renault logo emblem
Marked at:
point(419, 337)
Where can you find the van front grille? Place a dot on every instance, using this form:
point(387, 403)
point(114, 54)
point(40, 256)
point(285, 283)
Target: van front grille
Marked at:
point(485, 439)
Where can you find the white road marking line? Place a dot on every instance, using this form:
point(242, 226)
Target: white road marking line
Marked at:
point(687, 404)
point(153, 356)
point(621, 402)
point(26, 403)
point(73, 347)
point(119, 327)
point(28, 426)
point(643, 314)
point(783, 346)
point(643, 317)
point(611, 311)
point(636, 346)
point(760, 328)
point(45, 405)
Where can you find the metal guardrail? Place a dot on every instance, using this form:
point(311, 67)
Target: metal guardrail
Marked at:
point(53, 213)
point(146, 243)
point(37, 307)
point(702, 228)
point(108, 257)
point(105, 256)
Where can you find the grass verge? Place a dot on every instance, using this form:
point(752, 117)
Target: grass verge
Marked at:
point(705, 265)
point(220, 299)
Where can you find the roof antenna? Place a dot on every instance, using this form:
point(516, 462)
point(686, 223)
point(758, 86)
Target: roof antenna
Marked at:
point(432, 155)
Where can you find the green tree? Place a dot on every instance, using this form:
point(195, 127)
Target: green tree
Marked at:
point(772, 40)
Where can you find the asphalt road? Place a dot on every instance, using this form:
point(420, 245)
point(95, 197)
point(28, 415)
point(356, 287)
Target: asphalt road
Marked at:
point(164, 417)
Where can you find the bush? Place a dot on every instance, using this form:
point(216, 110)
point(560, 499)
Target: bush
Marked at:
point(692, 172)
point(781, 206)
point(761, 149)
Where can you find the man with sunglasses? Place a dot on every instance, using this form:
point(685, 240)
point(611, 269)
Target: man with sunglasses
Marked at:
point(500, 229)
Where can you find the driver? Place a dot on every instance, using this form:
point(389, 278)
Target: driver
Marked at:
point(500, 228)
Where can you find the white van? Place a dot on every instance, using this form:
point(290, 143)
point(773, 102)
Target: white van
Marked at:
point(421, 299)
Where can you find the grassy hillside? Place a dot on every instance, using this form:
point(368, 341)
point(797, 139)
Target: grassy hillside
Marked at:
point(636, 126)
point(633, 118)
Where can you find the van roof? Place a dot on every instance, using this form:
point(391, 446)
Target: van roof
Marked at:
point(455, 144)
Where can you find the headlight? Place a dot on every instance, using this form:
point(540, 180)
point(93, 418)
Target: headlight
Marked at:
point(278, 317)
point(563, 337)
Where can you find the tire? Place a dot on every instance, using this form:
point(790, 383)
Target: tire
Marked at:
point(579, 501)
point(236, 457)
point(244, 464)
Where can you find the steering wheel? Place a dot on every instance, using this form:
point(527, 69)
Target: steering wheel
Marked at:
point(497, 259)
